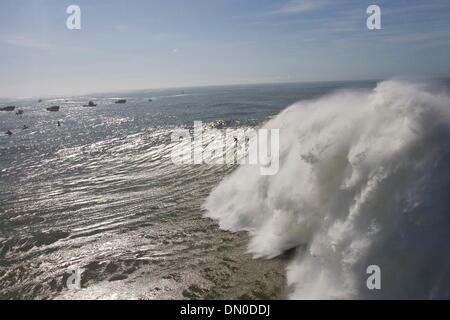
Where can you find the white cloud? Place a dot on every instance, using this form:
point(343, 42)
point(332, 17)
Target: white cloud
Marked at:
point(26, 42)
point(301, 6)
point(121, 27)
point(423, 38)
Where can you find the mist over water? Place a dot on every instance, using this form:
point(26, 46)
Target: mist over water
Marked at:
point(364, 179)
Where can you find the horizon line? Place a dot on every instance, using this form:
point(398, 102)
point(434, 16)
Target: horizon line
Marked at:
point(93, 93)
point(123, 91)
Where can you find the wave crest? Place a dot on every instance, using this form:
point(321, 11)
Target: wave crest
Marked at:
point(364, 179)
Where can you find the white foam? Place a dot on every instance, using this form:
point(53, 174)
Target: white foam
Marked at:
point(364, 179)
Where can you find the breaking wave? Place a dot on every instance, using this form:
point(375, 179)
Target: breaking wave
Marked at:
point(364, 180)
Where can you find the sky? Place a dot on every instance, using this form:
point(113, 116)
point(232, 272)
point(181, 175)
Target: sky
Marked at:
point(143, 44)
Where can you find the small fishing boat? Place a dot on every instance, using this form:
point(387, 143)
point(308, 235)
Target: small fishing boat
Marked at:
point(19, 112)
point(121, 101)
point(90, 104)
point(8, 108)
point(150, 100)
point(53, 108)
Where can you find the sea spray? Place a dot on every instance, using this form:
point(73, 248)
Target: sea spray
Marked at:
point(364, 180)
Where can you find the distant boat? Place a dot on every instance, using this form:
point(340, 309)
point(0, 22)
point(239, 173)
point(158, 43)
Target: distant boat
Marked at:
point(8, 108)
point(90, 104)
point(53, 108)
point(121, 101)
point(19, 112)
point(40, 100)
point(150, 100)
point(8, 133)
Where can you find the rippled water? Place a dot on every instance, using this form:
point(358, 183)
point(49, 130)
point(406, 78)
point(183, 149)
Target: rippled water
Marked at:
point(100, 192)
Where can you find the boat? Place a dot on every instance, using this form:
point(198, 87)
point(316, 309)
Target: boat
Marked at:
point(8, 108)
point(40, 100)
point(150, 100)
point(90, 104)
point(19, 112)
point(8, 132)
point(53, 108)
point(121, 101)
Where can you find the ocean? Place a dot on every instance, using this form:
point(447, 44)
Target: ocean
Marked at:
point(100, 193)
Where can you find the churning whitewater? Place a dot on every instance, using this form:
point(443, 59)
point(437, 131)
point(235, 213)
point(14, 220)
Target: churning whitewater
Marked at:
point(364, 180)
